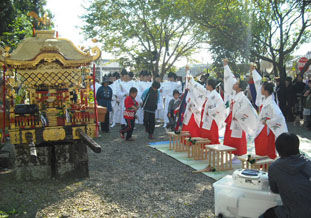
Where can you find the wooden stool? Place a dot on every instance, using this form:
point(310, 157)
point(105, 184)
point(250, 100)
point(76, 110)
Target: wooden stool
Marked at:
point(198, 149)
point(262, 164)
point(172, 139)
point(245, 163)
point(217, 153)
point(180, 138)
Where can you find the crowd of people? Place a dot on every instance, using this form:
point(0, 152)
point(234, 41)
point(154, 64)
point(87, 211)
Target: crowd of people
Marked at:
point(243, 106)
point(157, 100)
point(141, 101)
point(201, 109)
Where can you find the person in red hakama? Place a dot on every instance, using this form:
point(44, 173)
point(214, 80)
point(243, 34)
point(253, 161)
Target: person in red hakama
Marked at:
point(272, 123)
point(238, 142)
point(213, 114)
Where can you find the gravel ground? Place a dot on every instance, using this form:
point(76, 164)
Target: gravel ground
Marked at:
point(128, 179)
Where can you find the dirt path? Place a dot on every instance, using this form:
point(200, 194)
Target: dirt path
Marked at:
point(128, 179)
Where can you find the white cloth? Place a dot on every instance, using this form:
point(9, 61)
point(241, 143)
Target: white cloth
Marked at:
point(141, 87)
point(275, 120)
point(167, 88)
point(116, 102)
point(245, 115)
point(215, 109)
point(257, 81)
point(229, 81)
point(196, 97)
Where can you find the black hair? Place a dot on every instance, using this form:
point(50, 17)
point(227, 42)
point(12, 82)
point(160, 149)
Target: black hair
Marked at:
point(212, 83)
point(133, 90)
point(124, 72)
point(309, 81)
point(116, 74)
point(287, 144)
point(175, 92)
point(155, 85)
point(243, 85)
point(289, 79)
point(170, 75)
point(131, 74)
point(269, 87)
point(156, 75)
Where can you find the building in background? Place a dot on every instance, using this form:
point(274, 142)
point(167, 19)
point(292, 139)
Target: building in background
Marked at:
point(106, 66)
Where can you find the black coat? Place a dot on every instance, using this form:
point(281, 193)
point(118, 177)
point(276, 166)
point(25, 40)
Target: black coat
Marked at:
point(291, 178)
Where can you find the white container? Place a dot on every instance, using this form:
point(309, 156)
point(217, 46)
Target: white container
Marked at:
point(251, 179)
point(233, 201)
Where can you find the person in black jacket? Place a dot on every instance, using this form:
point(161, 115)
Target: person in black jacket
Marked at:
point(104, 97)
point(150, 99)
point(290, 176)
point(290, 100)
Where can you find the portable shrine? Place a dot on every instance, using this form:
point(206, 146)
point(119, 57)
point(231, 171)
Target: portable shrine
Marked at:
point(52, 114)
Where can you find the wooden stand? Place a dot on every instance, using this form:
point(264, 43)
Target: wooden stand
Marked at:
point(172, 139)
point(261, 162)
point(177, 141)
point(220, 157)
point(180, 142)
point(198, 150)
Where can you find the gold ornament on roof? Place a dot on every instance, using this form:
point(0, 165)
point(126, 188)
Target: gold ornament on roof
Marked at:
point(41, 20)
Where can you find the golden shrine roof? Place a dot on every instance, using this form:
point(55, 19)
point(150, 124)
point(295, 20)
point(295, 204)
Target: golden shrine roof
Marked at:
point(49, 48)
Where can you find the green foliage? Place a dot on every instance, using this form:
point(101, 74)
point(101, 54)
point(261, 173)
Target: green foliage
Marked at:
point(15, 24)
point(150, 35)
point(21, 27)
point(251, 30)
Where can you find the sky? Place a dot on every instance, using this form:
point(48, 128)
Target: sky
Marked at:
point(67, 22)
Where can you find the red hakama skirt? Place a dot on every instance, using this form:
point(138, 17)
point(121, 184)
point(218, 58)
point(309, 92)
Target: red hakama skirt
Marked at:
point(265, 143)
point(239, 143)
point(192, 127)
point(211, 134)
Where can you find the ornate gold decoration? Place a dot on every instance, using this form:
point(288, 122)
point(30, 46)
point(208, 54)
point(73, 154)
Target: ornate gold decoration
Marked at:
point(44, 20)
point(96, 51)
point(75, 134)
point(91, 130)
point(54, 134)
point(49, 57)
point(33, 132)
point(49, 74)
point(14, 137)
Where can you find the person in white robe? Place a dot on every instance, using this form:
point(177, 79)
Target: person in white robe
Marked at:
point(257, 81)
point(167, 92)
point(214, 114)
point(271, 123)
point(242, 119)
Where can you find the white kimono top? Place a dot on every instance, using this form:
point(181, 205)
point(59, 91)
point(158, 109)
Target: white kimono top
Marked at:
point(246, 118)
point(229, 81)
point(215, 109)
point(196, 97)
point(275, 120)
point(257, 81)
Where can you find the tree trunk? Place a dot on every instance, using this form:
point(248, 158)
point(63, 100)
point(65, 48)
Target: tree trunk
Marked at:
point(282, 94)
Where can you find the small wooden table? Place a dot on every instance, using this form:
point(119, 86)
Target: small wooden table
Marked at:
point(263, 164)
point(198, 149)
point(245, 163)
point(172, 139)
point(177, 140)
point(217, 154)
